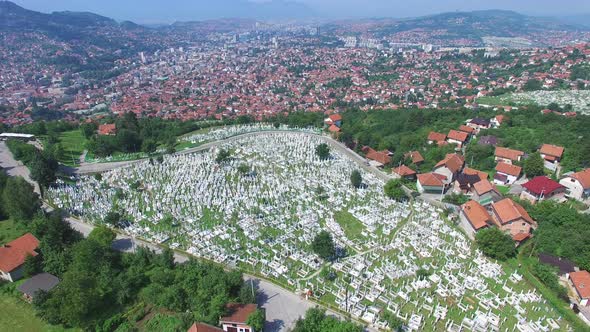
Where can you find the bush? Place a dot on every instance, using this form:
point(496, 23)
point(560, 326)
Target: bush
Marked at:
point(394, 190)
point(495, 244)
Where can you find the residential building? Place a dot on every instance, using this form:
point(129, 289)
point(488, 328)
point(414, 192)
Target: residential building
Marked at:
point(541, 188)
point(497, 121)
point(479, 124)
point(109, 129)
point(431, 183)
point(551, 155)
point(377, 158)
point(450, 167)
point(334, 119)
point(238, 315)
point(512, 218)
point(201, 327)
point(464, 182)
point(577, 184)
point(404, 172)
point(480, 174)
point(484, 192)
point(474, 217)
point(466, 129)
point(507, 155)
point(457, 137)
point(416, 157)
point(436, 138)
point(506, 174)
point(14, 254)
point(488, 140)
point(40, 282)
point(580, 282)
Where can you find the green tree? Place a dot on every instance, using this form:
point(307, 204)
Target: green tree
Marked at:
point(323, 245)
point(257, 320)
point(20, 201)
point(322, 151)
point(532, 85)
point(222, 156)
point(102, 235)
point(43, 170)
point(356, 179)
point(393, 322)
point(244, 169)
point(394, 190)
point(316, 320)
point(534, 165)
point(88, 129)
point(112, 218)
point(495, 243)
point(33, 265)
point(247, 293)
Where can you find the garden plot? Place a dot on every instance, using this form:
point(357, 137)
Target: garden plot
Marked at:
point(261, 209)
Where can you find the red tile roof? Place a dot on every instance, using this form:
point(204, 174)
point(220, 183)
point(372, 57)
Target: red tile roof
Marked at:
point(335, 117)
point(542, 185)
point(508, 169)
point(13, 254)
point(583, 177)
point(431, 179)
point(107, 129)
point(476, 214)
point(458, 135)
point(471, 171)
point(436, 137)
point(551, 150)
point(403, 170)
point(466, 129)
point(484, 186)
point(452, 161)
point(238, 313)
point(416, 157)
point(581, 281)
point(379, 156)
point(507, 153)
point(334, 129)
point(200, 327)
point(507, 210)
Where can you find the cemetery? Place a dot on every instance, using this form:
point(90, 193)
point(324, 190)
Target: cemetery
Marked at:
point(260, 209)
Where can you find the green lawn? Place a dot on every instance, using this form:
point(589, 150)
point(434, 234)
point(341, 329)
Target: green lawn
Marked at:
point(17, 315)
point(351, 226)
point(72, 143)
point(503, 189)
point(10, 230)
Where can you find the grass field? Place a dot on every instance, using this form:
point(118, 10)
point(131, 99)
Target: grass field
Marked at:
point(10, 230)
point(351, 226)
point(503, 189)
point(17, 315)
point(72, 143)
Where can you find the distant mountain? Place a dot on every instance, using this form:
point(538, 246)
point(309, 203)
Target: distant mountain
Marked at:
point(65, 24)
point(477, 24)
point(579, 20)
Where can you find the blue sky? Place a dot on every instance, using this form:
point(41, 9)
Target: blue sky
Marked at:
point(171, 10)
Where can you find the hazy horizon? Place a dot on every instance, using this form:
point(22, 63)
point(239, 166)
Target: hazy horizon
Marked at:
point(154, 11)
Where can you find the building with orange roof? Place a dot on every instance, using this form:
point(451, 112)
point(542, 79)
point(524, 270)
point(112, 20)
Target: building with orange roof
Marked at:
point(580, 282)
point(450, 167)
point(436, 138)
point(430, 183)
point(507, 155)
point(486, 193)
point(201, 327)
point(377, 158)
point(404, 172)
point(14, 254)
point(467, 129)
point(506, 174)
point(457, 137)
point(551, 154)
point(480, 174)
point(416, 157)
point(237, 317)
point(474, 217)
point(497, 120)
point(334, 129)
point(108, 129)
point(511, 217)
point(577, 184)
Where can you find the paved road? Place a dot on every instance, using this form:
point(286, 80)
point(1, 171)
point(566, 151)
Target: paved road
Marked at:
point(14, 167)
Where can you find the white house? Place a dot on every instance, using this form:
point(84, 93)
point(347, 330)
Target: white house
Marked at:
point(577, 184)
